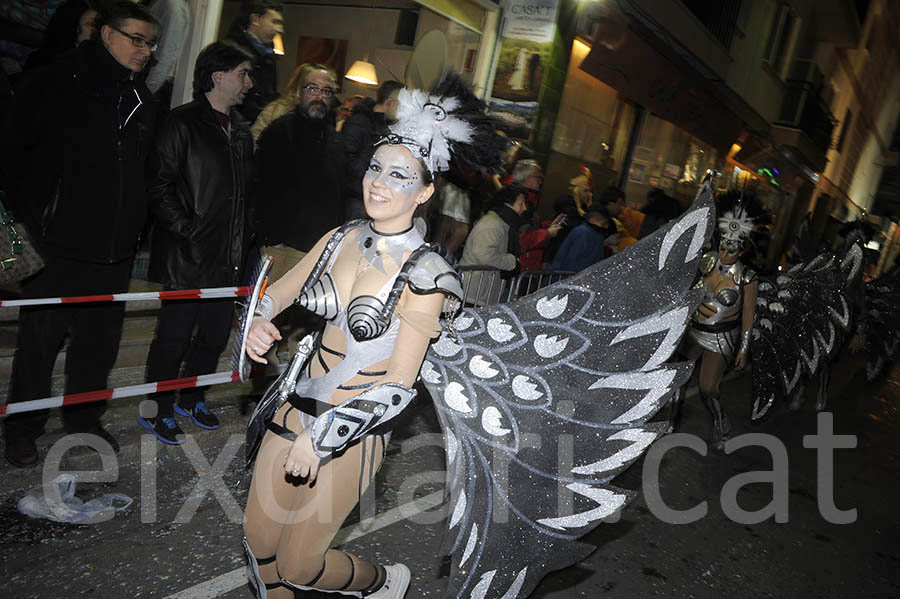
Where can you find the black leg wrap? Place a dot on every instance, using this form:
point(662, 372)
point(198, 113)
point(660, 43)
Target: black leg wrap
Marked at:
point(253, 578)
point(352, 572)
point(721, 425)
point(318, 576)
point(380, 578)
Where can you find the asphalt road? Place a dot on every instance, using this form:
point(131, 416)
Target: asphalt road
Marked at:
point(186, 543)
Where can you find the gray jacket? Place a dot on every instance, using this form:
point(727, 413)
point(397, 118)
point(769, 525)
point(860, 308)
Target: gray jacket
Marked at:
point(486, 246)
point(175, 24)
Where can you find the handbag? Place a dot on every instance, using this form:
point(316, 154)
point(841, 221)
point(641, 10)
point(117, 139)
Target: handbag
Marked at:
point(18, 258)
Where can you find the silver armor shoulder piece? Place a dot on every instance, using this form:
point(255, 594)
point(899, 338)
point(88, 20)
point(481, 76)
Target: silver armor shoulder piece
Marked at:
point(433, 274)
point(748, 276)
point(708, 262)
point(347, 422)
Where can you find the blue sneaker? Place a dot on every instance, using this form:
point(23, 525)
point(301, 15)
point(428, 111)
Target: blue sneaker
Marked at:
point(200, 415)
point(165, 429)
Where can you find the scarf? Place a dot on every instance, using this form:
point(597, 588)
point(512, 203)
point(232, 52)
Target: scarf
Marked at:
point(514, 220)
point(260, 48)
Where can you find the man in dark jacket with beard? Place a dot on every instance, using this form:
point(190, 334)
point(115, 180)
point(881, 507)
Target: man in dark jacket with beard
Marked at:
point(298, 191)
point(201, 230)
point(368, 123)
point(82, 127)
point(300, 168)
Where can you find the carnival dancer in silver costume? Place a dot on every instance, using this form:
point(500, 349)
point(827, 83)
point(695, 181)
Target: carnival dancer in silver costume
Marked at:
point(719, 334)
point(381, 289)
point(547, 397)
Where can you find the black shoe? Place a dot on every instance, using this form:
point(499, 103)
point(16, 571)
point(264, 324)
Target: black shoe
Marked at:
point(21, 451)
point(199, 415)
point(165, 429)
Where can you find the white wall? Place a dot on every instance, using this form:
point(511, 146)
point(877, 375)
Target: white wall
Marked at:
point(871, 161)
point(205, 14)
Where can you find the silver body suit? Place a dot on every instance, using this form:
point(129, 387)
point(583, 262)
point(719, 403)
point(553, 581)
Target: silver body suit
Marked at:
point(721, 331)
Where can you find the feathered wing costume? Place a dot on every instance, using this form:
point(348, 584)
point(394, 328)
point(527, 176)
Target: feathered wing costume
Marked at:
point(543, 401)
point(803, 317)
point(879, 327)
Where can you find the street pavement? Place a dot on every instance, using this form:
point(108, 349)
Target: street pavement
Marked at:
point(181, 539)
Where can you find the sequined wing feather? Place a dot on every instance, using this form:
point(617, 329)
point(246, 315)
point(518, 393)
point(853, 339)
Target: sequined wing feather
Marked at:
point(544, 400)
point(879, 327)
point(802, 318)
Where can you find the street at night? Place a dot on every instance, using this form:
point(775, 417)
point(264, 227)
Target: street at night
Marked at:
point(189, 547)
point(450, 299)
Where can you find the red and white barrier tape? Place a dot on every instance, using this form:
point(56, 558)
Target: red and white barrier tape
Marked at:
point(204, 380)
point(179, 294)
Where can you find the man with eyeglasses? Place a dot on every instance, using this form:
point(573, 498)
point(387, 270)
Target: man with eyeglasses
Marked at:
point(82, 128)
point(260, 21)
point(300, 167)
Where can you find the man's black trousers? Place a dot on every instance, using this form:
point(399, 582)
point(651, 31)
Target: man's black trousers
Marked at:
point(177, 341)
point(94, 332)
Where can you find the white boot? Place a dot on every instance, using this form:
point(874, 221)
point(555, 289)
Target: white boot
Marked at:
point(395, 585)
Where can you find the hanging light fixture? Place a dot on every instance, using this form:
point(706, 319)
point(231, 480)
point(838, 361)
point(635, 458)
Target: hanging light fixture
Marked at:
point(363, 71)
point(278, 44)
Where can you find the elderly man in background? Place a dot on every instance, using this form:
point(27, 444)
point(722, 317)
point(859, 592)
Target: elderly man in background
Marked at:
point(534, 236)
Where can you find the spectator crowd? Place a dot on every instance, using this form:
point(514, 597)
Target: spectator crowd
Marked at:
point(95, 165)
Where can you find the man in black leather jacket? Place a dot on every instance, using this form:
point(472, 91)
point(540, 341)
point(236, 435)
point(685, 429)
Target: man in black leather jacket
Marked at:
point(81, 130)
point(201, 230)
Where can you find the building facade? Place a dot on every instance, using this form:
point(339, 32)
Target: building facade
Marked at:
point(796, 100)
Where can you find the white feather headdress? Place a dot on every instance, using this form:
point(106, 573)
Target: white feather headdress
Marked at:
point(741, 216)
point(737, 225)
point(426, 126)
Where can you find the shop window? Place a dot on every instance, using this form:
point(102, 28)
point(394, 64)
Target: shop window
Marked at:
point(778, 46)
point(592, 129)
point(668, 158)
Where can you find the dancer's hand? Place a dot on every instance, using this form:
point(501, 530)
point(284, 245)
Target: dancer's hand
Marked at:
point(301, 460)
point(261, 337)
point(741, 361)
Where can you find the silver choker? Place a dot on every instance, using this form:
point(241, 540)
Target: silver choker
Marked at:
point(374, 246)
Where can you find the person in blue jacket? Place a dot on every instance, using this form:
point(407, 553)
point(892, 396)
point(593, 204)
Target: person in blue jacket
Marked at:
point(587, 243)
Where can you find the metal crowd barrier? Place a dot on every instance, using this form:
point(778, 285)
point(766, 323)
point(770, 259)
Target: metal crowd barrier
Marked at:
point(530, 281)
point(484, 285)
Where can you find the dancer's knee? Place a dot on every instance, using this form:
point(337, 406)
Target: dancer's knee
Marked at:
point(260, 543)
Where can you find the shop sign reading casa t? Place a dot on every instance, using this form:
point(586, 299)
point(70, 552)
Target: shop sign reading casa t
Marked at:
point(531, 20)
